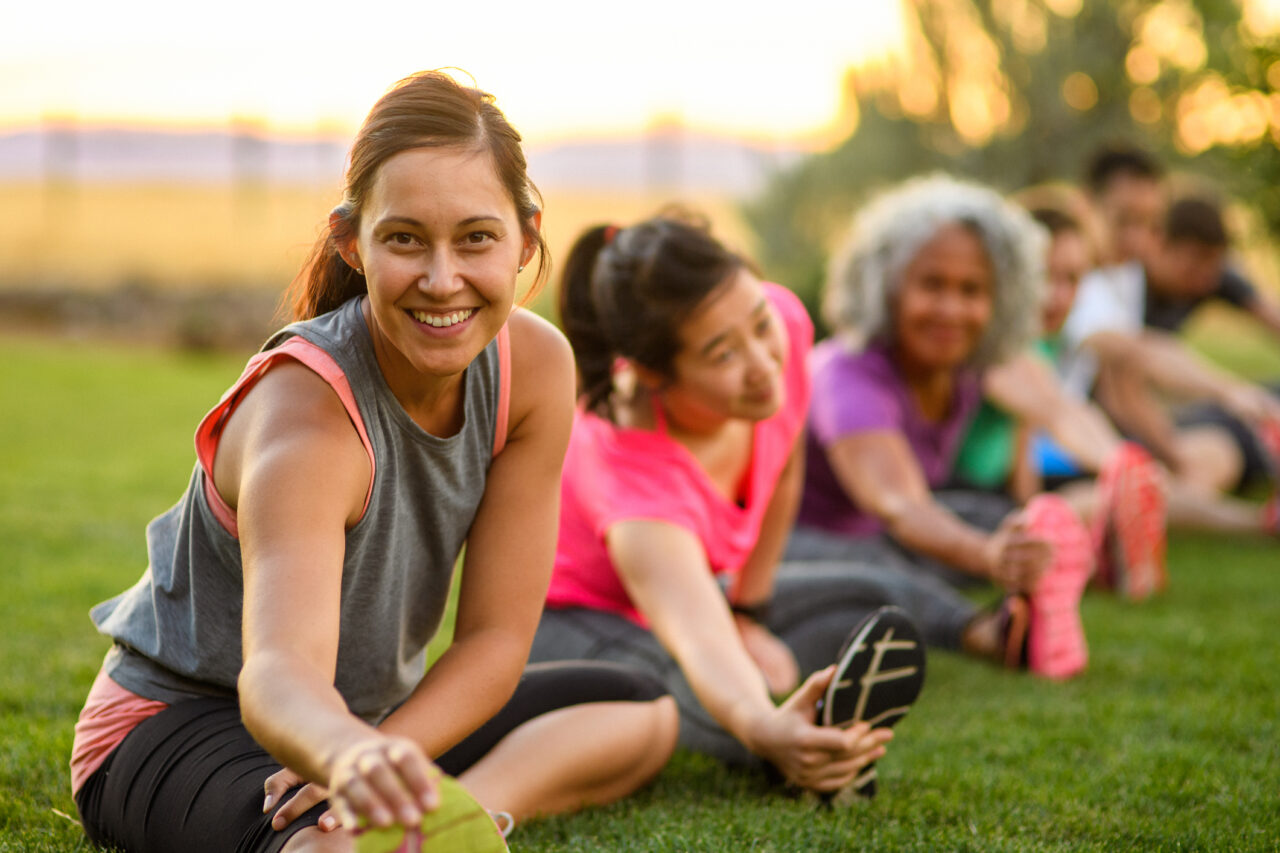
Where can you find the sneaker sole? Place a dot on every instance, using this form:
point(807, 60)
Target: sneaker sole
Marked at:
point(1136, 518)
point(879, 673)
point(458, 825)
point(1056, 646)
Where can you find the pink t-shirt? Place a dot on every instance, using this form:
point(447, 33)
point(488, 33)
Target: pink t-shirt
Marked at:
point(614, 474)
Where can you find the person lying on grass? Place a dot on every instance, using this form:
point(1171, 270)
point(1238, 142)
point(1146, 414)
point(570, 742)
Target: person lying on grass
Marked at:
point(937, 280)
point(296, 584)
point(680, 484)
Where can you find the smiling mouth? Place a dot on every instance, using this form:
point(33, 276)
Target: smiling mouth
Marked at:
point(442, 321)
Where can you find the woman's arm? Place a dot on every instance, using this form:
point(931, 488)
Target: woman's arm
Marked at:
point(879, 473)
point(1026, 388)
point(1024, 478)
point(292, 466)
point(754, 583)
point(510, 551)
point(665, 572)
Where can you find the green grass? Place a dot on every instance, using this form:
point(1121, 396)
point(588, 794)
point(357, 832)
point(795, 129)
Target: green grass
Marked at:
point(1169, 742)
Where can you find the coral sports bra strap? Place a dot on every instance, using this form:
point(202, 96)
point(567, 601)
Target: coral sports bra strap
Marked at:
point(210, 430)
point(504, 389)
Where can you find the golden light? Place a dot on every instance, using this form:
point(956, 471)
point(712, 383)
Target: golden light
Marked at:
point(1079, 91)
point(1173, 30)
point(1145, 106)
point(1142, 65)
point(300, 66)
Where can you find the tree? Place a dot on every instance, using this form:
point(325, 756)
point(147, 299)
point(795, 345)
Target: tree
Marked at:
point(1018, 92)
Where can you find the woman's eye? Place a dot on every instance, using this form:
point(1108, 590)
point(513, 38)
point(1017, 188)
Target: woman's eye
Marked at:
point(401, 238)
point(721, 356)
point(477, 238)
point(764, 325)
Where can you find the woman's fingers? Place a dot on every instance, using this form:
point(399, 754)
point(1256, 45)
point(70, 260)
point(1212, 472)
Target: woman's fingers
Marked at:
point(420, 776)
point(387, 781)
point(276, 786)
point(297, 805)
point(830, 771)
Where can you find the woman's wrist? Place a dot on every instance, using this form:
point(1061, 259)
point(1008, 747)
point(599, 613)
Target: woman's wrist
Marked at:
point(757, 611)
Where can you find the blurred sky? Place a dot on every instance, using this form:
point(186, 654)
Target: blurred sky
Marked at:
point(560, 68)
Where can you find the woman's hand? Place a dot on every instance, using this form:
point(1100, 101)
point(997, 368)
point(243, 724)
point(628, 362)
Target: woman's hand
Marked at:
point(1016, 557)
point(278, 784)
point(820, 758)
point(777, 663)
point(383, 780)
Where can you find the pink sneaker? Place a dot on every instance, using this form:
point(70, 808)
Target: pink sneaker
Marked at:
point(1056, 646)
point(1129, 528)
point(1268, 433)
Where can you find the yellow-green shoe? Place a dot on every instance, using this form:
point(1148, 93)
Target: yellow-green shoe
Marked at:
point(459, 825)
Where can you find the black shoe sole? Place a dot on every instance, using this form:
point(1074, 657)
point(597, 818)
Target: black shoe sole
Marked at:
point(879, 673)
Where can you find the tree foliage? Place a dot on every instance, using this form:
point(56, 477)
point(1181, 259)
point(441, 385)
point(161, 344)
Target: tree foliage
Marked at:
point(1019, 92)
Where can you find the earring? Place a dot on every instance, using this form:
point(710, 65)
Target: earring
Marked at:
point(520, 268)
point(360, 270)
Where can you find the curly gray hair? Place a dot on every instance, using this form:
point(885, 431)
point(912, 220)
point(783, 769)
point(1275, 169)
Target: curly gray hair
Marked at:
point(887, 233)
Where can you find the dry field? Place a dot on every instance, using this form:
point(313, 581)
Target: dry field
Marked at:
point(100, 236)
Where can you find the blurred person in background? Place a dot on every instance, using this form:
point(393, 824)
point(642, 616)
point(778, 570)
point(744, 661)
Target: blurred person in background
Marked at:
point(1030, 434)
point(937, 281)
point(1108, 352)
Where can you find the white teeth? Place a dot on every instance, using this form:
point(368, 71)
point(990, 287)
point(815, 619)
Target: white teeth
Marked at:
point(441, 321)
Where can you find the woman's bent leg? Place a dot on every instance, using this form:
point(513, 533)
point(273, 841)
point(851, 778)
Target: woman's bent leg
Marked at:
point(574, 757)
point(574, 733)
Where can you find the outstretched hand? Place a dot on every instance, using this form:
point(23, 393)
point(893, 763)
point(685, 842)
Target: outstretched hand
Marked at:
point(383, 780)
point(820, 758)
point(1017, 557)
point(380, 780)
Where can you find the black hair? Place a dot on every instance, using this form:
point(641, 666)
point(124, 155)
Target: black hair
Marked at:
point(625, 292)
point(1195, 219)
point(1111, 161)
point(1055, 220)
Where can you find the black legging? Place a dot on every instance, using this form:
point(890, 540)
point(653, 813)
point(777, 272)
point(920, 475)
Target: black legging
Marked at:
point(815, 606)
point(191, 777)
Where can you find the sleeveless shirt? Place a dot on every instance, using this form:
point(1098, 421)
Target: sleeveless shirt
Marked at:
point(177, 631)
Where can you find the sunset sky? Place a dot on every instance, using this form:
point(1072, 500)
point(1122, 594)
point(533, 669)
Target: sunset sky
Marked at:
point(559, 67)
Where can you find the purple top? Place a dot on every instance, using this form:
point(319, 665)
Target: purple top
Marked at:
point(862, 392)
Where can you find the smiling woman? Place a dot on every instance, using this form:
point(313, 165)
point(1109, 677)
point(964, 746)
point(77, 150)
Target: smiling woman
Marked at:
point(938, 280)
point(292, 590)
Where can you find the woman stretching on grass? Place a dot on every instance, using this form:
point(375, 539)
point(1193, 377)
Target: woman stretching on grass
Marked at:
point(680, 484)
point(298, 581)
point(937, 281)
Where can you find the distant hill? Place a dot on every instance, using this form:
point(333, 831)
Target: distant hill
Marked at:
point(666, 159)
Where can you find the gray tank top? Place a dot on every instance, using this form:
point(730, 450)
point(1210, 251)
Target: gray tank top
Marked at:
point(177, 631)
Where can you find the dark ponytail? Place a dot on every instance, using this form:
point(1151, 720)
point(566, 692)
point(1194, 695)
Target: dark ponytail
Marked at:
point(592, 350)
point(625, 292)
